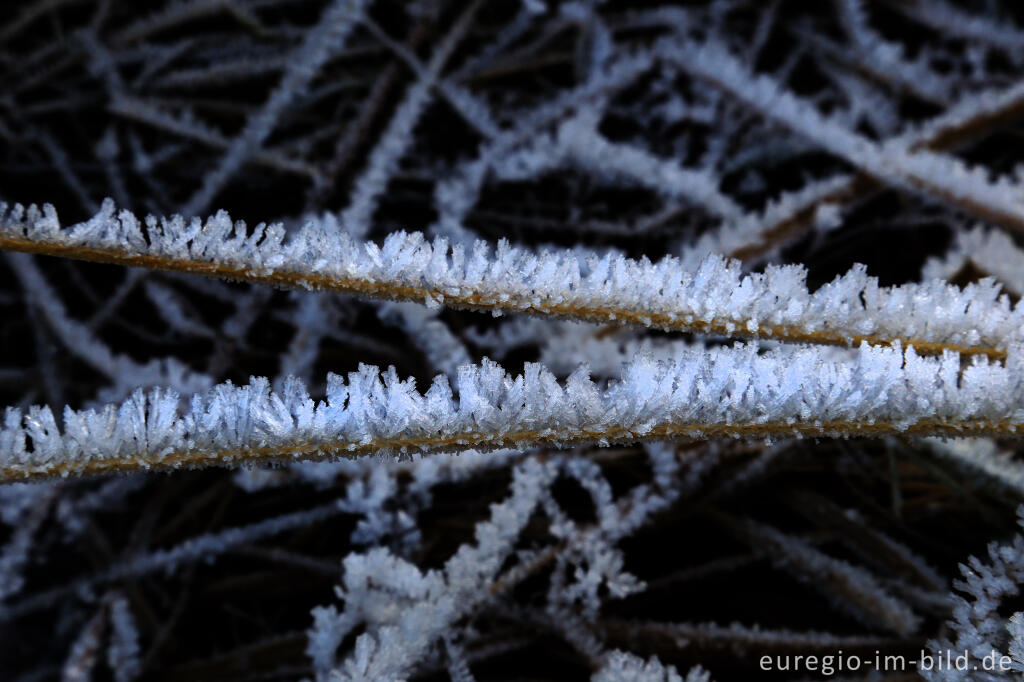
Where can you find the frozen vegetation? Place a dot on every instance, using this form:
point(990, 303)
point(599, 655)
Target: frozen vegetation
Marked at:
point(379, 340)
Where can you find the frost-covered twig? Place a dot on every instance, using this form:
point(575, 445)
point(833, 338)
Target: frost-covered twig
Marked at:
point(901, 161)
point(578, 142)
point(983, 456)
point(740, 638)
point(853, 588)
point(319, 45)
point(123, 651)
point(124, 373)
point(981, 623)
point(715, 298)
point(188, 128)
point(85, 650)
point(949, 19)
point(202, 547)
point(990, 251)
point(884, 56)
point(406, 610)
point(384, 158)
point(725, 392)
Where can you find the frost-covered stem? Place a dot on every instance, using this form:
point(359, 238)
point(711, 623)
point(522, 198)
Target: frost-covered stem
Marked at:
point(484, 303)
point(357, 130)
point(990, 252)
point(442, 348)
point(397, 137)
point(734, 392)
point(980, 621)
point(737, 637)
point(426, 604)
point(141, 111)
point(859, 186)
point(456, 195)
point(124, 373)
point(975, 116)
point(306, 451)
point(171, 16)
point(898, 161)
point(123, 652)
point(206, 547)
point(29, 13)
point(85, 650)
point(73, 334)
point(854, 589)
point(714, 298)
point(312, 323)
point(320, 43)
point(579, 140)
point(67, 172)
point(793, 223)
point(950, 20)
point(887, 60)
